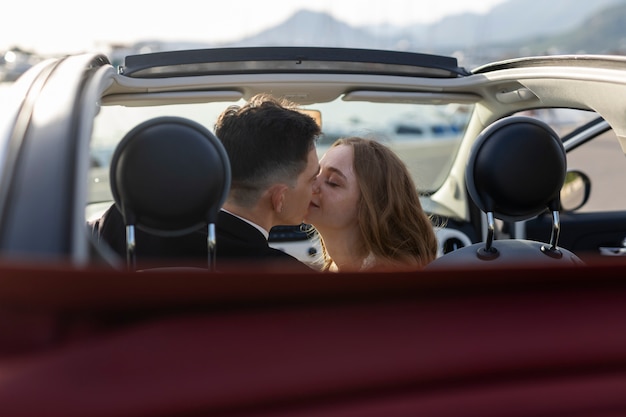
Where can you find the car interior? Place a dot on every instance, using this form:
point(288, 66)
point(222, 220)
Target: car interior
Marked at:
point(426, 108)
point(427, 148)
point(433, 132)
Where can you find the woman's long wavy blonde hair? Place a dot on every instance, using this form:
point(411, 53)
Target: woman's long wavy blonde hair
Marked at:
point(393, 225)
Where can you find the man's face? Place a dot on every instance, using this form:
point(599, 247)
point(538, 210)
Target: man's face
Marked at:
point(298, 198)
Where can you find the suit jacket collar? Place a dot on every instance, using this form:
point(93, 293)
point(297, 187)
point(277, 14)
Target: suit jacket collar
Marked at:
point(251, 223)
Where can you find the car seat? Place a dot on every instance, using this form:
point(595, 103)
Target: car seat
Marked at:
point(516, 169)
point(169, 176)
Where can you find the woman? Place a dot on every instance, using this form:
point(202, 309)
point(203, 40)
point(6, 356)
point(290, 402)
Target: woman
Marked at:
point(366, 209)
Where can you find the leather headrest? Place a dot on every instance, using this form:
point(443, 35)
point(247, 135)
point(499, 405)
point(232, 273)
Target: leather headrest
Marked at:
point(516, 169)
point(169, 176)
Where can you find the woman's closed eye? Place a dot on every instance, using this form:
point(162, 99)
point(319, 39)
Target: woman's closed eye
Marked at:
point(333, 178)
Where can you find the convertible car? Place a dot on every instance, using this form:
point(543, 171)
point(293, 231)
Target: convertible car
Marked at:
point(518, 162)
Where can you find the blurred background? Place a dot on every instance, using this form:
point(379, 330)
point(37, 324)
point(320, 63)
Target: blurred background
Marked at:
point(475, 32)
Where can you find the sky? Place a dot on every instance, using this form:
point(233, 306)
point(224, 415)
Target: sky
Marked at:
point(70, 26)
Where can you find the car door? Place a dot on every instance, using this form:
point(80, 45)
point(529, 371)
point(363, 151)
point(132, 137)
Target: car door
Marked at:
point(598, 228)
point(45, 141)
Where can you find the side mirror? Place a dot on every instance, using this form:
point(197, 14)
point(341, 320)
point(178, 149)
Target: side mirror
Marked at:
point(575, 191)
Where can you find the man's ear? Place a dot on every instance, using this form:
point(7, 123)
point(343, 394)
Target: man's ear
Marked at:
point(277, 195)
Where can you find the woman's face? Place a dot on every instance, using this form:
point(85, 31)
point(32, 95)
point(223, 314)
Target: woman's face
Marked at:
point(335, 192)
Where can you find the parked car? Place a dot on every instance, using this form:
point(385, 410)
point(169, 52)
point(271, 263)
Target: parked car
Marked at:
point(522, 313)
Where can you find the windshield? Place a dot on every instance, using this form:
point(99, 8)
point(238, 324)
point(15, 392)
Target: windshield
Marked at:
point(425, 136)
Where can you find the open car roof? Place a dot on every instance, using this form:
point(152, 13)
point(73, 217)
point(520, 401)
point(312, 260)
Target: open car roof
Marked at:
point(289, 59)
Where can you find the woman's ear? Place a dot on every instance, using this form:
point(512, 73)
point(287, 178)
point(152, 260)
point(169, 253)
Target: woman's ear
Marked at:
point(277, 195)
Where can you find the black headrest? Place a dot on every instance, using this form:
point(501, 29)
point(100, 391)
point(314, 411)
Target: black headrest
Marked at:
point(516, 169)
point(169, 176)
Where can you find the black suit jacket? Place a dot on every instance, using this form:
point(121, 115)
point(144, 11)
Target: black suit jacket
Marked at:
point(239, 246)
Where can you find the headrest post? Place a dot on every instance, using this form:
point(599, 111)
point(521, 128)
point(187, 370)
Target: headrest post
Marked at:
point(491, 228)
point(211, 245)
point(556, 229)
point(131, 245)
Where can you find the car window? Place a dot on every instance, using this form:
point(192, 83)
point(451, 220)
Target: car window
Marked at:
point(603, 161)
point(601, 158)
point(425, 136)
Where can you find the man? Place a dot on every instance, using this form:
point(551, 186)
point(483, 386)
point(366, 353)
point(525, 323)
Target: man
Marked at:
point(273, 158)
point(271, 147)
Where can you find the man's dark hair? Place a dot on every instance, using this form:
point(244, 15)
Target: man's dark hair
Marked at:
point(268, 141)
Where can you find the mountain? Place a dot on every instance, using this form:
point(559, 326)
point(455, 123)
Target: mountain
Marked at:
point(600, 33)
point(507, 22)
point(511, 28)
point(510, 21)
point(307, 28)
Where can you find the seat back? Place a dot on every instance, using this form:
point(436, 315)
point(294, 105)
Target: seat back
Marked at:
point(169, 176)
point(515, 172)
